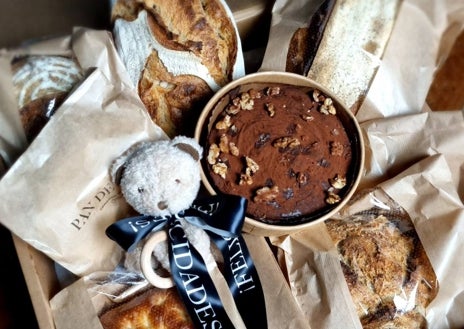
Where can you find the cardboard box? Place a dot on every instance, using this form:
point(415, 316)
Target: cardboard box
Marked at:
point(57, 17)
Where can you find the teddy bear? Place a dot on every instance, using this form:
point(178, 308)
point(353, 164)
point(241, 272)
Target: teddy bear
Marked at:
point(162, 178)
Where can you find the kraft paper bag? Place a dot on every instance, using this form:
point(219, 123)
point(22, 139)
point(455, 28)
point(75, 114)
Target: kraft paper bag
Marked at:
point(58, 195)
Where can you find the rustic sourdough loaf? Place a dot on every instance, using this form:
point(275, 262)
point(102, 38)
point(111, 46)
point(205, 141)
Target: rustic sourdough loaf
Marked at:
point(41, 84)
point(338, 44)
point(388, 273)
point(155, 308)
point(177, 54)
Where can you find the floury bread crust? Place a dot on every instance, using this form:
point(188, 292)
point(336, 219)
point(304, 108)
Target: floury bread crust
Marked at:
point(349, 54)
point(281, 147)
point(320, 40)
point(388, 273)
point(41, 84)
point(155, 308)
point(177, 54)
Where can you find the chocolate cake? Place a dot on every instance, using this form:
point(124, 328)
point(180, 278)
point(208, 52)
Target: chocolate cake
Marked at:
point(282, 147)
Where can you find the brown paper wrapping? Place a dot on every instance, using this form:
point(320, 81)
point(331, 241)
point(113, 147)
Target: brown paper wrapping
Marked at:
point(88, 296)
point(58, 195)
point(412, 154)
point(350, 48)
point(12, 138)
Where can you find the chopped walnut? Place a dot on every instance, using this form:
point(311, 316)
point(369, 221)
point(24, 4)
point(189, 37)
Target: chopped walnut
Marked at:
point(324, 110)
point(327, 107)
point(332, 198)
point(272, 91)
point(232, 109)
point(336, 148)
point(224, 144)
point(233, 149)
point(338, 182)
point(270, 108)
point(254, 167)
point(254, 93)
point(213, 154)
point(266, 194)
point(285, 142)
point(246, 102)
point(220, 169)
point(224, 123)
point(245, 179)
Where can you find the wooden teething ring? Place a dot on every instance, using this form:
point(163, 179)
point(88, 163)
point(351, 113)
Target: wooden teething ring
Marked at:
point(145, 261)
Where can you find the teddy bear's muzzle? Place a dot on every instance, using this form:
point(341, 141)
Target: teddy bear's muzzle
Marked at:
point(162, 205)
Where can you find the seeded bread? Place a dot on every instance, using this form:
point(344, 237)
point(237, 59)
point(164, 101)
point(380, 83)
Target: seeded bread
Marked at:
point(388, 273)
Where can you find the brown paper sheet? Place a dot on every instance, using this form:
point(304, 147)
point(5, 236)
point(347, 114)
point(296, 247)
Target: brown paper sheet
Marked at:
point(415, 156)
point(427, 190)
point(88, 296)
point(316, 279)
point(58, 195)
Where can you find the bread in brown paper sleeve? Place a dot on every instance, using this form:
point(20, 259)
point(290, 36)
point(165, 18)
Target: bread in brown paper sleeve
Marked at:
point(388, 273)
point(100, 119)
point(153, 308)
point(339, 44)
point(41, 84)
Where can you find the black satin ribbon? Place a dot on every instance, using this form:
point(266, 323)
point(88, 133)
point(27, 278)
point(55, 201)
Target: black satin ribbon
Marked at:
point(221, 216)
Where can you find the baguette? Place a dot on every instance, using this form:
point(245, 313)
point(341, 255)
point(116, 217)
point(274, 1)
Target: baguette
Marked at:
point(352, 46)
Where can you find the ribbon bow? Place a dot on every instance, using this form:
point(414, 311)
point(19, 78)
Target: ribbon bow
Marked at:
point(221, 216)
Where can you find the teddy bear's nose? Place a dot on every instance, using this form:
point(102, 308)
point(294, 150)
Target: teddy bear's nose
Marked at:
point(162, 205)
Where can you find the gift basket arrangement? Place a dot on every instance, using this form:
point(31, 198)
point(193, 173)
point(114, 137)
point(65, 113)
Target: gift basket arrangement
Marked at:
point(173, 172)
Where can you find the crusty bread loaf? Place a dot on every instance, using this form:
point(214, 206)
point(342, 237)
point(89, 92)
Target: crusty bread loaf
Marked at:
point(177, 54)
point(41, 84)
point(305, 41)
point(338, 44)
point(41, 75)
point(388, 273)
point(155, 308)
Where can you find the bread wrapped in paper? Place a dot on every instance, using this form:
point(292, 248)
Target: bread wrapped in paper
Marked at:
point(339, 44)
point(41, 84)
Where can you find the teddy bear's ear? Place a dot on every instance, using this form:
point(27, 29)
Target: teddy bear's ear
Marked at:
point(118, 165)
point(117, 169)
point(188, 145)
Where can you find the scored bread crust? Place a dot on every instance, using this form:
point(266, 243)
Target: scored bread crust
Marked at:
point(388, 273)
point(155, 308)
point(200, 26)
point(42, 82)
point(169, 99)
point(191, 51)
